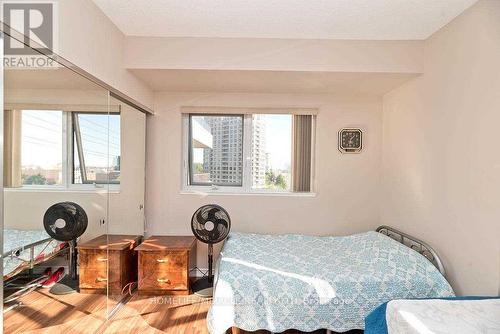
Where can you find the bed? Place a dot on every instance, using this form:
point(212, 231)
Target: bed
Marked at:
point(22, 249)
point(459, 315)
point(280, 282)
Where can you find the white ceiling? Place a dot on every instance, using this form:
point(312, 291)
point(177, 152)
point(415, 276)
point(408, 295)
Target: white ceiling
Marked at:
point(307, 19)
point(336, 83)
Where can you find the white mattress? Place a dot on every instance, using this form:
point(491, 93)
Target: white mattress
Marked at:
point(443, 316)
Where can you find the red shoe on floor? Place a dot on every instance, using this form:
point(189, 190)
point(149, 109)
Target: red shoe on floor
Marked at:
point(47, 272)
point(54, 278)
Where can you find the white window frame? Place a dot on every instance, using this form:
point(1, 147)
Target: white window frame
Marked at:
point(67, 165)
point(246, 187)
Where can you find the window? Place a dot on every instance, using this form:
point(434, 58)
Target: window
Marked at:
point(248, 153)
point(216, 150)
point(41, 147)
point(272, 152)
point(95, 148)
point(54, 148)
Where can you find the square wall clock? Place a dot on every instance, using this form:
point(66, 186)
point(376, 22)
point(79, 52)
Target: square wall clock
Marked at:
point(350, 140)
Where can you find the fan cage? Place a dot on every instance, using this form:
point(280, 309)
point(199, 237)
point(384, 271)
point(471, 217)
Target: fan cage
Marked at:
point(221, 223)
point(74, 216)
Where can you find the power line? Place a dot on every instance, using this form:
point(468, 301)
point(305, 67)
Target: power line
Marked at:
point(112, 140)
point(98, 142)
point(97, 124)
point(57, 129)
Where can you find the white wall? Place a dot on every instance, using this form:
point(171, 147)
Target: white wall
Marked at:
point(441, 163)
point(126, 208)
point(90, 40)
point(273, 54)
point(347, 198)
point(24, 210)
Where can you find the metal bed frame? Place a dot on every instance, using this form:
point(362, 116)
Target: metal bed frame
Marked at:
point(32, 261)
point(24, 288)
point(415, 244)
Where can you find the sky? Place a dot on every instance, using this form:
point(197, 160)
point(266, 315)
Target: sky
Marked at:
point(278, 141)
point(42, 138)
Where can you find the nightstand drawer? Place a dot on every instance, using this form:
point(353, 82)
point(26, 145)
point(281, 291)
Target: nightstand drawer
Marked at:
point(165, 263)
point(107, 263)
point(94, 259)
point(164, 281)
point(171, 261)
point(93, 279)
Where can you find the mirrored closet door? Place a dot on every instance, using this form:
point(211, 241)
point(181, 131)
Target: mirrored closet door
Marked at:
point(126, 147)
point(61, 160)
point(73, 175)
point(55, 197)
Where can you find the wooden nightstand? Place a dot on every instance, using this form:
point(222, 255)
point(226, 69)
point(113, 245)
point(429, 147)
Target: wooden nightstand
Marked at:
point(165, 263)
point(96, 254)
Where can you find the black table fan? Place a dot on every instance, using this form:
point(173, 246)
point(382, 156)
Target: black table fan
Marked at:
point(66, 221)
point(210, 224)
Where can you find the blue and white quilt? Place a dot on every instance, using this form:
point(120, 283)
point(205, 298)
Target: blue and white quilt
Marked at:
point(457, 315)
point(309, 283)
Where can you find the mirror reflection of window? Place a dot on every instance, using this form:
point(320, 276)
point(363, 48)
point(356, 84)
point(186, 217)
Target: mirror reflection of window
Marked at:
point(37, 152)
point(96, 151)
point(33, 148)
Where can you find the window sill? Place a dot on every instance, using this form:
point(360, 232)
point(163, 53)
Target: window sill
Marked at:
point(240, 193)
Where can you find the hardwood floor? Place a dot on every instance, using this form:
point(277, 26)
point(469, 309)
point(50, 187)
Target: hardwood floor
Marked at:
point(82, 313)
point(164, 314)
point(47, 313)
